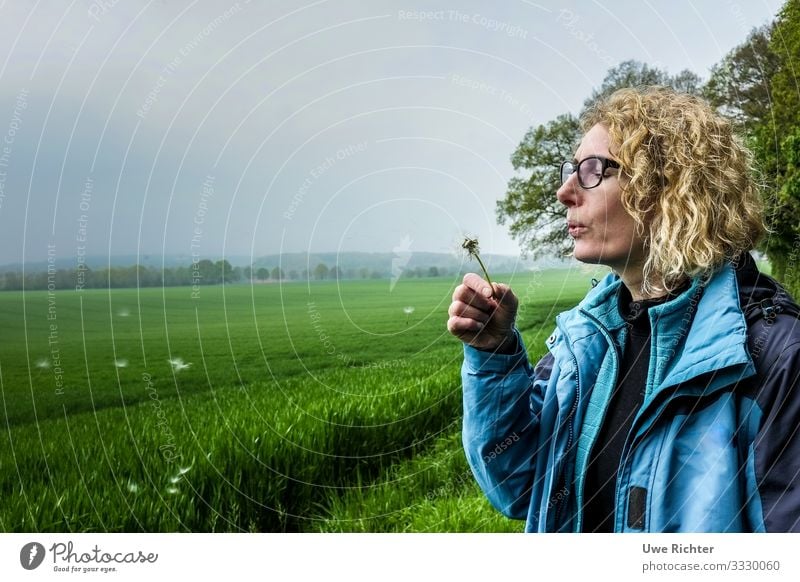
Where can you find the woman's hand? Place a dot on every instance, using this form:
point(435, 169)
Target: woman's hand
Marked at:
point(482, 319)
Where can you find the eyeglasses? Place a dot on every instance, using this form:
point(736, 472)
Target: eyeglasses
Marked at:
point(590, 170)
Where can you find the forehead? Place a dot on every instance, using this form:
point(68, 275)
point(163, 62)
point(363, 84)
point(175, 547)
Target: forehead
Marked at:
point(595, 142)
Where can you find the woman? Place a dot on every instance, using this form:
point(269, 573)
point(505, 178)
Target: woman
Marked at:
point(668, 398)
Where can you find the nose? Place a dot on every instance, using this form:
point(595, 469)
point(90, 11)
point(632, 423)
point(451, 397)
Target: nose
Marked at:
point(568, 193)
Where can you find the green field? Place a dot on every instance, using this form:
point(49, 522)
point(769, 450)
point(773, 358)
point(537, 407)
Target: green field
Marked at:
point(291, 407)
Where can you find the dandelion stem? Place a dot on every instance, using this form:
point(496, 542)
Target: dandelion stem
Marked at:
point(471, 245)
point(488, 280)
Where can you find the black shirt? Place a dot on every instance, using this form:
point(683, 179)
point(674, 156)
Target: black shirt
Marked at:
point(626, 399)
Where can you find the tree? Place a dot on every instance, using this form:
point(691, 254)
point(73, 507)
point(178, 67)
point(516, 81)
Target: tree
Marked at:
point(756, 86)
point(208, 272)
point(784, 239)
point(628, 74)
point(335, 273)
point(180, 276)
point(321, 272)
point(262, 274)
point(223, 271)
point(170, 277)
point(65, 279)
point(633, 73)
point(686, 82)
point(433, 272)
point(779, 146)
point(530, 204)
point(13, 281)
point(739, 85)
point(277, 274)
point(785, 44)
point(537, 219)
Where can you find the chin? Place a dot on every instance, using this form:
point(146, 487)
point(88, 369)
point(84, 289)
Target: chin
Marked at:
point(586, 257)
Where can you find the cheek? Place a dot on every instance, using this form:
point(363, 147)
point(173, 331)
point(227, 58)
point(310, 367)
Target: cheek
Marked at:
point(620, 223)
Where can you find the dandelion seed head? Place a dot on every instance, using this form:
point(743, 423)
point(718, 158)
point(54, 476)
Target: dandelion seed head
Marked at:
point(408, 310)
point(471, 245)
point(172, 490)
point(133, 487)
point(43, 363)
point(121, 363)
point(178, 364)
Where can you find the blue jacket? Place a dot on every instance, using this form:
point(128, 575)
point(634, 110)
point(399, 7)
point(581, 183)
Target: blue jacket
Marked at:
point(715, 446)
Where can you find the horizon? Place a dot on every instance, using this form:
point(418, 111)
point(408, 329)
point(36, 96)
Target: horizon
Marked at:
point(149, 259)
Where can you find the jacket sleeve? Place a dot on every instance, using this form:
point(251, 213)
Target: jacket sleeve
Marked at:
point(777, 444)
point(503, 399)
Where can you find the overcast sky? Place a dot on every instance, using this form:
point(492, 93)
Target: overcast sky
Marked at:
point(251, 128)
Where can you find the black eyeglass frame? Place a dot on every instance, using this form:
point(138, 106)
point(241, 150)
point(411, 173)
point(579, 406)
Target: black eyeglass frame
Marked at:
point(606, 164)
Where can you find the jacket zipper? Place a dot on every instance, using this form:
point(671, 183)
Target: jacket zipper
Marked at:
point(561, 481)
point(618, 356)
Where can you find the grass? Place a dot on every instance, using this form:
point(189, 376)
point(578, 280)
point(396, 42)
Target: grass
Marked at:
point(305, 407)
point(433, 492)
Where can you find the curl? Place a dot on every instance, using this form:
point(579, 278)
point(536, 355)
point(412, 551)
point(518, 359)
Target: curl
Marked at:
point(687, 181)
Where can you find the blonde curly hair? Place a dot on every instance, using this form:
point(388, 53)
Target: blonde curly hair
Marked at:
point(687, 180)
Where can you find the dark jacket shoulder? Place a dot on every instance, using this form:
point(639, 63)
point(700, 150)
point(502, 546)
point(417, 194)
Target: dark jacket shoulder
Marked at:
point(771, 314)
point(773, 329)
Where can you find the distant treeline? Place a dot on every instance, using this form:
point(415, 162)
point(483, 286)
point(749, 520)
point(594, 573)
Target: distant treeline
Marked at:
point(204, 272)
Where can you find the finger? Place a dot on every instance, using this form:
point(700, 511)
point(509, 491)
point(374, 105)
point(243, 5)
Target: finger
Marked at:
point(478, 284)
point(461, 326)
point(470, 297)
point(461, 309)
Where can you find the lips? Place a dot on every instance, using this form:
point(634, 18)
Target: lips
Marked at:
point(575, 228)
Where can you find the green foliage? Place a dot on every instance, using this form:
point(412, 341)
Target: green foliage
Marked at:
point(789, 208)
point(321, 272)
point(634, 73)
point(537, 218)
point(204, 272)
point(785, 44)
point(739, 85)
point(785, 126)
point(756, 86)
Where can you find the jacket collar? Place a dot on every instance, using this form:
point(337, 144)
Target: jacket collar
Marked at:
point(703, 330)
point(700, 332)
